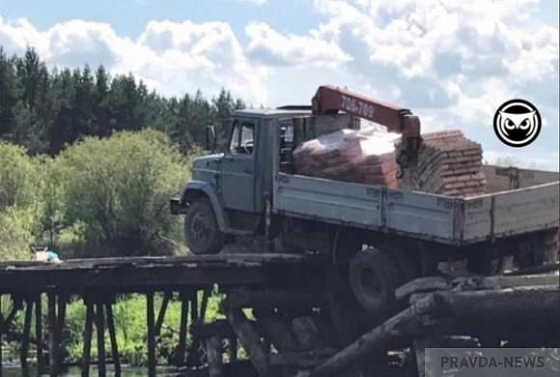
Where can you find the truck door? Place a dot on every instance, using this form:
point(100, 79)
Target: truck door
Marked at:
point(238, 167)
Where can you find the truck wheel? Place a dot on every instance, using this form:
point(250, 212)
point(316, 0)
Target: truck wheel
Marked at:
point(374, 276)
point(202, 233)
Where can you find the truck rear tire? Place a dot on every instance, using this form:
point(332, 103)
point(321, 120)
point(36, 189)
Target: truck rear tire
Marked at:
point(374, 275)
point(202, 233)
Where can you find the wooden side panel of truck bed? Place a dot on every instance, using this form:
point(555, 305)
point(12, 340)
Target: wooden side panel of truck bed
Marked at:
point(416, 214)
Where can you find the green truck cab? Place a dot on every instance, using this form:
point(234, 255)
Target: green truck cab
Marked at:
point(229, 191)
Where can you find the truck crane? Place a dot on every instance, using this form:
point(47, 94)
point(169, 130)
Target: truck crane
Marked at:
point(329, 100)
point(376, 238)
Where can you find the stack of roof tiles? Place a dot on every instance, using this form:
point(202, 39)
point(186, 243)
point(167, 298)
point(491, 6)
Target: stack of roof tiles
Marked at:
point(365, 156)
point(449, 164)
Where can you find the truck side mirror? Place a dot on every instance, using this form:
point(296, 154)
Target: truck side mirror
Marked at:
point(210, 138)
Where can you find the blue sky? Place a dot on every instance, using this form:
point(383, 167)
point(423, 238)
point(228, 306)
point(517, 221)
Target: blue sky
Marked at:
point(452, 62)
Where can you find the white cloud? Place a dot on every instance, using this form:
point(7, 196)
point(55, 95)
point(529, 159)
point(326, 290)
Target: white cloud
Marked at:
point(172, 58)
point(272, 48)
point(452, 62)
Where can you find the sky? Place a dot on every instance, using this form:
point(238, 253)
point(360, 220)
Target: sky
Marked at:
point(452, 62)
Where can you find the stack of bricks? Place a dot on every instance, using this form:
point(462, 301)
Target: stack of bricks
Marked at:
point(362, 156)
point(448, 164)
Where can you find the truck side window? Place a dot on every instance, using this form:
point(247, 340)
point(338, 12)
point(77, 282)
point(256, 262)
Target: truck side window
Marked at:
point(242, 139)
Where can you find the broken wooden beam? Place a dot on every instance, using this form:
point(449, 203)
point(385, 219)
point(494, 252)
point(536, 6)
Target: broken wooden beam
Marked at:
point(151, 334)
point(61, 318)
point(430, 310)
point(24, 346)
point(52, 323)
point(100, 325)
point(162, 310)
point(183, 328)
point(249, 339)
point(88, 331)
point(39, 333)
point(440, 283)
point(113, 339)
point(521, 302)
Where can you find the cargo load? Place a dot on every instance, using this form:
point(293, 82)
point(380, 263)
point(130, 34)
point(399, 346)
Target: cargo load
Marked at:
point(363, 156)
point(448, 163)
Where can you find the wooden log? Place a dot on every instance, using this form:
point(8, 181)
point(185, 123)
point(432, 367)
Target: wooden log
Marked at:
point(214, 356)
point(520, 302)
point(53, 347)
point(61, 318)
point(113, 338)
point(249, 339)
point(24, 347)
point(194, 307)
point(506, 304)
point(151, 334)
point(86, 358)
point(39, 333)
point(183, 327)
point(162, 311)
point(100, 325)
point(404, 323)
point(437, 283)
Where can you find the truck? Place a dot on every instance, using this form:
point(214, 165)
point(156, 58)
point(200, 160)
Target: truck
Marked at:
point(375, 238)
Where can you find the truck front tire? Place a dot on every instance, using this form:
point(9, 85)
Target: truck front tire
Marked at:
point(202, 233)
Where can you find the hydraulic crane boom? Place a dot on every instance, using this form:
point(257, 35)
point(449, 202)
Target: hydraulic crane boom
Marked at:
point(330, 99)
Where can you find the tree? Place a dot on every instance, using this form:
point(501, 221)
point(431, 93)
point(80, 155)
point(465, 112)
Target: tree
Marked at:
point(47, 110)
point(8, 95)
point(117, 190)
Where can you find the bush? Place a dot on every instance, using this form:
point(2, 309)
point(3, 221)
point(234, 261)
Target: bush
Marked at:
point(18, 201)
point(18, 177)
point(116, 191)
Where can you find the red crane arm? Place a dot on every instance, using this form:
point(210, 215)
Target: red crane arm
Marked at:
point(330, 99)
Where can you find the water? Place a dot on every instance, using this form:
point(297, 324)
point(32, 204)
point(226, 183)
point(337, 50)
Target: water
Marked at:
point(11, 370)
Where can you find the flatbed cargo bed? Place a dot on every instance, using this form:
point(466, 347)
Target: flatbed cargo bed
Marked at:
point(440, 218)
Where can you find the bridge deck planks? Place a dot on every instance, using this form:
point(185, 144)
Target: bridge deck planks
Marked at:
point(142, 274)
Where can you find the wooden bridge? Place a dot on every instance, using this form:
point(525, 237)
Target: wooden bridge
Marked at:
point(98, 281)
point(304, 320)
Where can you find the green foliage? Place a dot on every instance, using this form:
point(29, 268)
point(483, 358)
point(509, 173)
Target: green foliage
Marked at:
point(118, 189)
point(19, 182)
point(47, 110)
point(16, 233)
point(18, 177)
point(130, 324)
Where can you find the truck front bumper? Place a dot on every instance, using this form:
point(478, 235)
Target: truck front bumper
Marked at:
point(176, 207)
